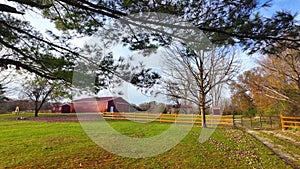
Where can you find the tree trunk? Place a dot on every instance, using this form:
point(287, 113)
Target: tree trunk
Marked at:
point(36, 109)
point(202, 111)
point(37, 106)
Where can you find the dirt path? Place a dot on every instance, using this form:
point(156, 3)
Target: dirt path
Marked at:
point(281, 145)
point(284, 137)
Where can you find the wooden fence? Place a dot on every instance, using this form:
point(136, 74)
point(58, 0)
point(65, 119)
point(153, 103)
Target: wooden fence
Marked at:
point(262, 122)
point(290, 122)
point(170, 118)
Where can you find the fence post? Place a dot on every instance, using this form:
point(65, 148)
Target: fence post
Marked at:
point(242, 121)
point(193, 121)
point(160, 118)
point(260, 121)
point(134, 116)
point(233, 121)
point(282, 122)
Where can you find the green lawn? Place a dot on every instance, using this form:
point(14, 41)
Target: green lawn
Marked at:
point(35, 144)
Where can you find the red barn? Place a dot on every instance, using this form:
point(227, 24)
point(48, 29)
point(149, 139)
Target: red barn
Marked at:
point(65, 108)
point(100, 104)
point(61, 108)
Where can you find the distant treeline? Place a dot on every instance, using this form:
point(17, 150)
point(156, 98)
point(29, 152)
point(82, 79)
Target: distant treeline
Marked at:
point(24, 105)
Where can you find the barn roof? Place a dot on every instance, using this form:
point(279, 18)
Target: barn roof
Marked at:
point(98, 99)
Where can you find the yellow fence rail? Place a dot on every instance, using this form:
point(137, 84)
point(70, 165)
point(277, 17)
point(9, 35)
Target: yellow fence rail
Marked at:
point(170, 118)
point(290, 122)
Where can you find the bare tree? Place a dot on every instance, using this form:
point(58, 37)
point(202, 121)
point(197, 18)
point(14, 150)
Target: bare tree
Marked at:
point(281, 73)
point(198, 76)
point(41, 90)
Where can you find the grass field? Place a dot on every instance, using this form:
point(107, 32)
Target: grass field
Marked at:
point(41, 144)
